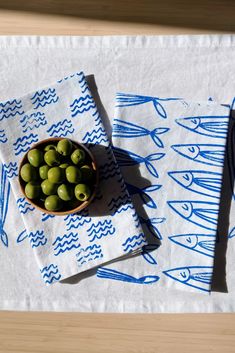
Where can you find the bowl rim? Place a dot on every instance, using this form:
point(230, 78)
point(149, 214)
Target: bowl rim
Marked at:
point(82, 205)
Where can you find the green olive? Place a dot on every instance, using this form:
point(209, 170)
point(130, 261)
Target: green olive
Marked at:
point(28, 173)
point(52, 158)
point(35, 157)
point(43, 171)
point(87, 173)
point(73, 174)
point(50, 147)
point(53, 203)
point(64, 165)
point(64, 147)
point(56, 175)
point(32, 190)
point(78, 156)
point(65, 192)
point(82, 192)
point(48, 187)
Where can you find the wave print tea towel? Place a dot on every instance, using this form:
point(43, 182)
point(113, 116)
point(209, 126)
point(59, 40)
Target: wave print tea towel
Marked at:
point(171, 153)
point(108, 228)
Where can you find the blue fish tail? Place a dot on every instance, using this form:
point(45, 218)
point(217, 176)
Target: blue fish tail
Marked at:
point(4, 237)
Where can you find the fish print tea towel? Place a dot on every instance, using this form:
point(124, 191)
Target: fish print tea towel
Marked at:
point(109, 227)
point(171, 153)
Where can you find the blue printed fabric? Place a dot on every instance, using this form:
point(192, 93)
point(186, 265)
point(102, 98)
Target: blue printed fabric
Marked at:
point(109, 228)
point(171, 154)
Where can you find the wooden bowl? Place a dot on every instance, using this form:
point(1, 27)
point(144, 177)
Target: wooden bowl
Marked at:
point(78, 206)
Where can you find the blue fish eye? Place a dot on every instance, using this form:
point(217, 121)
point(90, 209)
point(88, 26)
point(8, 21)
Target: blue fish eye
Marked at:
point(191, 149)
point(185, 207)
point(189, 240)
point(194, 121)
point(186, 177)
point(183, 274)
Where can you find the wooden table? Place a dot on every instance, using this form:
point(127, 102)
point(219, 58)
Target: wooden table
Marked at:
point(64, 333)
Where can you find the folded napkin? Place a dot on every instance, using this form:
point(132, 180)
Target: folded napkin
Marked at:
point(109, 228)
point(171, 153)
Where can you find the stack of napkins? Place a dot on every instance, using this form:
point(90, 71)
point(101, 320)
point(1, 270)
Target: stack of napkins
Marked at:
point(109, 228)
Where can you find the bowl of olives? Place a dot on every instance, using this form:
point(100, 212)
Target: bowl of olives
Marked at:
point(58, 176)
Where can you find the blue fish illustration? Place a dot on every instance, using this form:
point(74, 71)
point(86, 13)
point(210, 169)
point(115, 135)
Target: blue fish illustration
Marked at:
point(22, 236)
point(66, 243)
point(4, 202)
point(50, 274)
point(212, 126)
point(143, 193)
point(126, 129)
point(11, 169)
point(150, 223)
point(203, 153)
point(134, 242)
point(24, 143)
point(33, 121)
point(100, 229)
point(203, 214)
point(232, 233)
point(96, 136)
point(24, 206)
point(81, 105)
point(89, 253)
point(3, 137)
point(44, 97)
point(37, 238)
point(75, 221)
point(127, 158)
point(61, 129)
point(148, 253)
point(126, 100)
point(108, 273)
point(198, 277)
point(201, 243)
point(10, 109)
point(199, 181)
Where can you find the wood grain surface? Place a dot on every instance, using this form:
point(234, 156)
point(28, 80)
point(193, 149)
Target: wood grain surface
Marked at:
point(76, 332)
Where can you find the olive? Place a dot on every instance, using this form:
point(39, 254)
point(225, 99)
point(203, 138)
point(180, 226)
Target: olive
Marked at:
point(73, 174)
point(64, 147)
point(48, 187)
point(56, 175)
point(35, 157)
point(64, 165)
point(32, 190)
point(43, 171)
point(28, 173)
point(82, 192)
point(53, 203)
point(65, 192)
point(50, 147)
point(87, 173)
point(52, 158)
point(78, 156)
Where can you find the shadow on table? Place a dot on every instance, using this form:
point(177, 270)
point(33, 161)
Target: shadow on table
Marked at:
point(200, 14)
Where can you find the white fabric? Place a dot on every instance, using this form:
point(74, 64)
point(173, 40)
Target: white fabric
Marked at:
point(193, 67)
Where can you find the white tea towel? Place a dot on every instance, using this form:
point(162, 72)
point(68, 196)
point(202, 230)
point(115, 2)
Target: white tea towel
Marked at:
point(171, 153)
point(109, 227)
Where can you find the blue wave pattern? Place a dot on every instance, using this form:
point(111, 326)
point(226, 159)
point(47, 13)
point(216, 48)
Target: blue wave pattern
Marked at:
point(108, 273)
point(133, 242)
point(203, 214)
point(44, 97)
point(143, 193)
point(90, 253)
point(37, 239)
point(11, 169)
point(33, 121)
point(124, 129)
point(100, 230)
point(150, 224)
point(82, 104)
point(201, 243)
point(46, 216)
point(127, 158)
point(210, 154)
point(66, 243)
point(50, 274)
point(24, 143)
point(212, 126)
point(96, 136)
point(199, 181)
point(3, 137)
point(198, 277)
point(126, 100)
point(109, 170)
point(76, 221)
point(119, 204)
point(61, 129)
point(24, 206)
point(97, 117)
point(4, 204)
point(22, 236)
point(10, 109)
